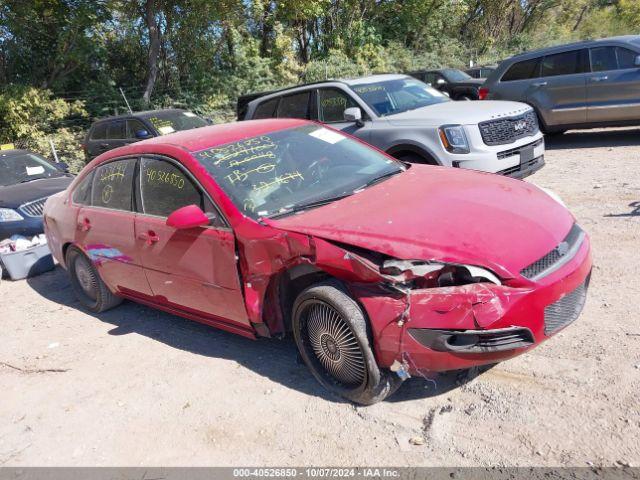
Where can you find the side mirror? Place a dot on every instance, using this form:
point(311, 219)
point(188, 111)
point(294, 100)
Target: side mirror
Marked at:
point(441, 81)
point(187, 217)
point(636, 61)
point(354, 114)
point(63, 167)
point(142, 134)
point(209, 120)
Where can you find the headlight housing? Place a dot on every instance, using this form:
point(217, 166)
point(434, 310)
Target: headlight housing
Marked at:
point(453, 138)
point(425, 274)
point(9, 215)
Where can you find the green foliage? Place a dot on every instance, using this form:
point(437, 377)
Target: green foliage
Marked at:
point(212, 51)
point(30, 117)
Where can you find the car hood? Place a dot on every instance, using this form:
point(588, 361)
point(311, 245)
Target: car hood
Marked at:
point(444, 214)
point(13, 196)
point(467, 113)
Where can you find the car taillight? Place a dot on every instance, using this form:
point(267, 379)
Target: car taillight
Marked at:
point(482, 93)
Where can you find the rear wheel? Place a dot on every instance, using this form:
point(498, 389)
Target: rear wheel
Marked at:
point(87, 284)
point(332, 336)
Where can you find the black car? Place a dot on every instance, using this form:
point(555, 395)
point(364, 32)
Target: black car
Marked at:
point(481, 71)
point(26, 181)
point(455, 83)
point(114, 132)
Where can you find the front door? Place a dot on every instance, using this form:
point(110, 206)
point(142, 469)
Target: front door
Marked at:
point(332, 102)
point(105, 228)
point(613, 86)
point(194, 270)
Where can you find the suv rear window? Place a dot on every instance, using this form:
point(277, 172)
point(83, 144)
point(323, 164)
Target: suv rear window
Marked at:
point(522, 70)
point(294, 106)
point(99, 131)
point(266, 109)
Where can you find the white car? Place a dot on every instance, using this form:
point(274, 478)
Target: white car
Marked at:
point(414, 122)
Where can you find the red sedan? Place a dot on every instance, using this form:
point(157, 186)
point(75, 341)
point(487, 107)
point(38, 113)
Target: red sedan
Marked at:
point(380, 270)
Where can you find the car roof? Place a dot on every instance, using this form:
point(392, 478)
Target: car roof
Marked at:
point(141, 114)
point(202, 138)
point(347, 81)
point(629, 39)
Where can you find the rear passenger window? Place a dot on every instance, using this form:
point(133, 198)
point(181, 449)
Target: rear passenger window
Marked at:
point(99, 131)
point(626, 58)
point(82, 193)
point(112, 185)
point(333, 103)
point(164, 188)
point(266, 109)
point(603, 58)
point(294, 106)
point(117, 130)
point(565, 63)
point(522, 70)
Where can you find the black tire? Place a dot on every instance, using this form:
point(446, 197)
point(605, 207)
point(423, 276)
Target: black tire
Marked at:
point(334, 341)
point(87, 284)
point(416, 158)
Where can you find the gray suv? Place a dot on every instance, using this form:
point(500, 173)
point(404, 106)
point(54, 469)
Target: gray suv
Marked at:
point(414, 122)
point(581, 85)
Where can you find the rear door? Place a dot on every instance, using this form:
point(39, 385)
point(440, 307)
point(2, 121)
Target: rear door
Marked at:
point(192, 270)
point(613, 86)
point(105, 227)
point(561, 91)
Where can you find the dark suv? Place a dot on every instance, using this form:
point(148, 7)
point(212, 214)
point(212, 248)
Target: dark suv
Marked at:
point(455, 83)
point(581, 85)
point(114, 132)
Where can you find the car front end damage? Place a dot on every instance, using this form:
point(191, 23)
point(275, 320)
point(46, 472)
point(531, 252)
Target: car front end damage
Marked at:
point(425, 316)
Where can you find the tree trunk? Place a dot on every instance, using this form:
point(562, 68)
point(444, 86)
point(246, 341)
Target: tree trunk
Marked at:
point(154, 49)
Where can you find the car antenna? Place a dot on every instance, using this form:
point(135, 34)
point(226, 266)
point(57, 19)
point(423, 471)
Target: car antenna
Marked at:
point(126, 101)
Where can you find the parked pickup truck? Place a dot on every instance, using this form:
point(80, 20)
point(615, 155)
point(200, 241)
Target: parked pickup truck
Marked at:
point(414, 122)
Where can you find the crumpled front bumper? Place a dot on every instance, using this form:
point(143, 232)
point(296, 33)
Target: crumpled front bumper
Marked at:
point(397, 316)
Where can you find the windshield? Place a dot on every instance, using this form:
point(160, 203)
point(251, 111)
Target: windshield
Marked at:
point(175, 121)
point(397, 96)
point(454, 75)
point(285, 170)
point(24, 167)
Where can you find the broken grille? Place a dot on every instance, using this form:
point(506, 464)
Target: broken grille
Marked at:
point(565, 310)
point(33, 209)
point(508, 130)
point(556, 257)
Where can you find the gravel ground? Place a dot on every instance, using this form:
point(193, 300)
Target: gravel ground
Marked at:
point(134, 386)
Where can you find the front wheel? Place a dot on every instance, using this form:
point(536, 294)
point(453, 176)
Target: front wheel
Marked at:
point(87, 284)
point(332, 336)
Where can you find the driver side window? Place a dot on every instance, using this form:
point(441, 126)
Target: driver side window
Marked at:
point(332, 103)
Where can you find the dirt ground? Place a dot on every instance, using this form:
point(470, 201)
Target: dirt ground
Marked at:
point(135, 386)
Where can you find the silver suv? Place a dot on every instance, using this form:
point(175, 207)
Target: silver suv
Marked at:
point(581, 85)
point(414, 122)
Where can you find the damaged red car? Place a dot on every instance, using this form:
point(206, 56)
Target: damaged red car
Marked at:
point(380, 270)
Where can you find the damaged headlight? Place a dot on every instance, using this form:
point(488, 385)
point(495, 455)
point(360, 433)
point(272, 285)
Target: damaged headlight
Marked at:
point(424, 274)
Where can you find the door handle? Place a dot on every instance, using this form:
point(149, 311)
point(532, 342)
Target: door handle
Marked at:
point(600, 79)
point(149, 237)
point(540, 84)
point(84, 225)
